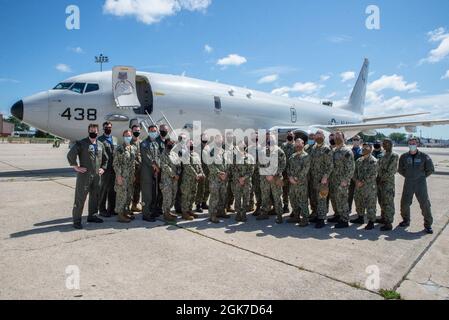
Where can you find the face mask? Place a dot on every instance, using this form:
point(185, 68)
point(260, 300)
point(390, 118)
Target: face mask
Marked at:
point(107, 131)
point(290, 138)
point(311, 142)
point(136, 134)
point(127, 140)
point(164, 134)
point(153, 135)
point(93, 135)
point(204, 142)
point(191, 148)
point(377, 146)
point(332, 142)
point(413, 148)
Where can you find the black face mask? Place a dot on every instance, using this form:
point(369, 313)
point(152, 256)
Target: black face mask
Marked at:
point(191, 148)
point(204, 142)
point(163, 134)
point(332, 142)
point(170, 147)
point(107, 131)
point(136, 134)
point(93, 135)
point(290, 138)
point(377, 146)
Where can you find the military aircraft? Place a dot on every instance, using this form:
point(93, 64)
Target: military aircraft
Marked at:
point(127, 97)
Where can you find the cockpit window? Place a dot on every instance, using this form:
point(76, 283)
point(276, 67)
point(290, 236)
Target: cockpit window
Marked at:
point(78, 87)
point(92, 87)
point(63, 86)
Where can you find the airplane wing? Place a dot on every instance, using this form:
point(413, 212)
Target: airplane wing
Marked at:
point(369, 119)
point(353, 129)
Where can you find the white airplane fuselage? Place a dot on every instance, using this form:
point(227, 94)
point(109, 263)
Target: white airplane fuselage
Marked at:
point(66, 113)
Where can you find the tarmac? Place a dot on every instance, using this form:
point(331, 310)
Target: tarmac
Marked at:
point(42, 256)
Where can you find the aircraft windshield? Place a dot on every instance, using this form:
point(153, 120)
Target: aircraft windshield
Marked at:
point(63, 86)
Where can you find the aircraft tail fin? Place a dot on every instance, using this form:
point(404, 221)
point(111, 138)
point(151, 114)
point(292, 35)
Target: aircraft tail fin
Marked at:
point(357, 101)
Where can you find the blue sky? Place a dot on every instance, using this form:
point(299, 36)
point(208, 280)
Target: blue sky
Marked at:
point(306, 49)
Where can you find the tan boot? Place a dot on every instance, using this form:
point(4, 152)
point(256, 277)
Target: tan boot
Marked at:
point(194, 215)
point(187, 216)
point(168, 217)
point(136, 207)
point(121, 217)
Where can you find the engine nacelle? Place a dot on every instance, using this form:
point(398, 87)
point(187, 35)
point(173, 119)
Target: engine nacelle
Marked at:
point(411, 129)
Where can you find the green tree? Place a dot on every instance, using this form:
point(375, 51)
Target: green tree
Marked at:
point(18, 125)
point(379, 136)
point(398, 137)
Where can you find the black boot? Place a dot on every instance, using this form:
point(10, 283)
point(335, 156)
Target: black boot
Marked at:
point(320, 224)
point(94, 219)
point(279, 220)
point(78, 225)
point(404, 224)
point(204, 206)
point(342, 225)
point(380, 220)
point(370, 226)
point(313, 219)
point(334, 219)
point(386, 227)
point(198, 208)
point(358, 220)
point(429, 230)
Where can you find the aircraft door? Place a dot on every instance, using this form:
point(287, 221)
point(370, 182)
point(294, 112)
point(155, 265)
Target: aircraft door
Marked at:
point(124, 87)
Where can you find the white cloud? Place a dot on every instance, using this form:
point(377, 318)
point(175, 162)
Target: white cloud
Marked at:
point(446, 76)
point(346, 76)
point(269, 79)
point(273, 70)
point(339, 38)
point(325, 77)
point(232, 60)
point(442, 51)
point(9, 80)
point(208, 48)
point(78, 50)
point(152, 11)
point(393, 82)
point(300, 87)
point(63, 68)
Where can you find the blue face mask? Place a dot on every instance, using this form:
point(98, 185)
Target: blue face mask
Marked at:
point(153, 135)
point(413, 148)
point(311, 142)
point(127, 140)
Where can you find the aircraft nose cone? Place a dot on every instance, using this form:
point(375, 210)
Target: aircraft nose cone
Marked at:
point(17, 110)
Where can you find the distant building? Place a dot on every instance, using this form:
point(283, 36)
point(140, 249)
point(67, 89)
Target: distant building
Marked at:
point(434, 143)
point(6, 128)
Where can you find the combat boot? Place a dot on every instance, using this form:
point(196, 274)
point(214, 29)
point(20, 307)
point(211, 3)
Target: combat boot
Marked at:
point(78, 225)
point(198, 208)
point(272, 212)
point(320, 224)
point(223, 215)
point(304, 223)
point(194, 215)
point(238, 217)
point(187, 216)
point(148, 218)
point(334, 219)
point(105, 214)
point(204, 206)
point(370, 226)
point(279, 219)
point(358, 220)
point(136, 207)
point(342, 225)
point(313, 219)
point(94, 219)
point(121, 217)
point(386, 227)
point(404, 224)
point(428, 230)
point(294, 219)
point(256, 212)
point(285, 208)
point(169, 217)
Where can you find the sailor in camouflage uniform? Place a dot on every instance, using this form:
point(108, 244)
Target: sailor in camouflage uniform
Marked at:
point(202, 194)
point(365, 195)
point(298, 170)
point(388, 166)
point(170, 175)
point(136, 207)
point(289, 149)
point(218, 178)
point(255, 201)
point(321, 166)
point(243, 170)
point(192, 173)
point(271, 180)
point(124, 168)
point(340, 179)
